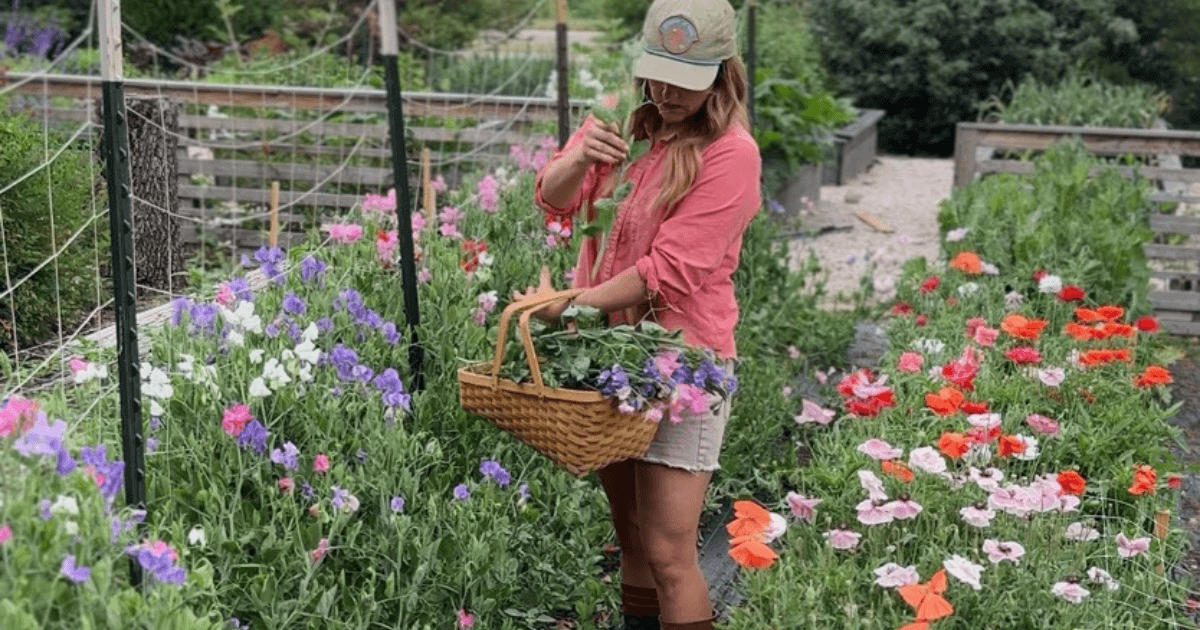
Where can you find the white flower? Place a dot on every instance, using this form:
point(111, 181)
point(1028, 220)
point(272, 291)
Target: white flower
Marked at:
point(1070, 591)
point(158, 385)
point(65, 505)
point(156, 409)
point(308, 352)
point(957, 234)
point(93, 371)
point(989, 269)
point(979, 517)
point(305, 374)
point(310, 334)
point(71, 527)
point(1079, 531)
point(776, 529)
point(1100, 576)
point(258, 388)
point(275, 374)
point(966, 571)
point(196, 537)
point(892, 575)
point(926, 458)
point(968, 288)
point(1052, 376)
point(486, 259)
point(1031, 448)
point(929, 346)
point(256, 355)
point(873, 485)
point(1050, 284)
point(1013, 300)
point(236, 339)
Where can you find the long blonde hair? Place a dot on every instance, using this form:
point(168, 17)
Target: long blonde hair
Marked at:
point(726, 106)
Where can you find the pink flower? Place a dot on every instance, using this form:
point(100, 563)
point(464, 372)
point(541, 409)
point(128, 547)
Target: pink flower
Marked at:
point(418, 224)
point(977, 516)
point(438, 184)
point(910, 362)
point(450, 214)
point(927, 458)
point(1024, 355)
point(903, 508)
point(17, 413)
point(286, 485)
point(449, 230)
point(987, 421)
point(872, 513)
point(465, 619)
point(974, 324)
point(1042, 424)
point(666, 363)
point(865, 389)
point(987, 479)
point(1000, 551)
point(480, 316)
point(489, 198)
point(79, 365)
point(314, 510)
point(488, 300)
point(379, 203)
point(688, 399)
point(1127, 548)
point(235, 420)
point(344, 232)
point(872, 484)
point(964, 570)
point(880, 450)
point(321, 463)
point(803, 507)
point(821, 377)
point(655, 414)
point(225, 295)
point(424, 275)
point(892, 575)
point(1080, 532)
point(1097, 575)
point(793, 352)
point(321, 550)
point(842, 539)
point(814, 413)
point(551, 241)
point(5, 533)
point(985, 336)
point(385, 246)
point(1070, 591)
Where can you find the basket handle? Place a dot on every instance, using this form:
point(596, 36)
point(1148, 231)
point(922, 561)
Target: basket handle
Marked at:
point(525, 307)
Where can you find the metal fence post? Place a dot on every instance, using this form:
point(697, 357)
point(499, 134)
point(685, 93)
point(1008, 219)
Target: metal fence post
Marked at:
point(751, 55)
point(120, 223)
point(564, 76)
point(389, 46)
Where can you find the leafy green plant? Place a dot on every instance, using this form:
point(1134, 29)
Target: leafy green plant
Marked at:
point(1078, 100)
point(793, 127)
point(500, 73)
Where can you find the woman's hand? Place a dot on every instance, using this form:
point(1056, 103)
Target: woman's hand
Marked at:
point(603, 144)
point(551, 311)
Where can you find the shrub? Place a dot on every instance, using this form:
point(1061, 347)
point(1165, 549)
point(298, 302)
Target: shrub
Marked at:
point(163, 21)
point(929, 62)
point(505, 74)
point(41, 215)
point(1078, 100)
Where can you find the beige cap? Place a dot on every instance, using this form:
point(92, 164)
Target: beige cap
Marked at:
point(685, 42)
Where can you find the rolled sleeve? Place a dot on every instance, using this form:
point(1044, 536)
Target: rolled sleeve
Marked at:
point(586, 189)
point(696, 237)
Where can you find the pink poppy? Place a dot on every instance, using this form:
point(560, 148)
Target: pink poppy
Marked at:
point(927, 458)
point(1097, 575)
point(1000, 551)
point(813, 412)
point(880, 450)
point(987, 479)
point(803, 507)
point(964, 570)
point(1070, 591)
point(1042, 424)
point(977, 515)
point(872, 513)
point(910, 362)
point(1052, 376)
point(892, 575)
point(1080, 532)
point(1127, 548)
point(903, 508)
point(465, 619)
point(842, 539)
point(1024, 355)
point(872, 484)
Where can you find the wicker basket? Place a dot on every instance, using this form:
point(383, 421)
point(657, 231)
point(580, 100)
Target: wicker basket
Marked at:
point(579, 430)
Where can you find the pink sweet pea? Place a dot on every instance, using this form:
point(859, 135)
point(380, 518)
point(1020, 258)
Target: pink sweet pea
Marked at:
point(438, 184)
point(418, 224)
point(450, 214)
point(235, 419)
point(842, 539)
point(667, 363)
point(344, 232)
point(1127, 548)
point(225, 295)
point(286, 485)
point(385, 246)
point(321, 550)
point(688, 399)
point(465, 619)
point(5, 534)
point(880, 450)
point(79, 365)
point(321, 463)
point(803, 507)
point(910, 362)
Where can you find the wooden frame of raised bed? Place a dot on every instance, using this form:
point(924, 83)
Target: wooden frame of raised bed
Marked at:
point(1177, 302)
point(854, 148)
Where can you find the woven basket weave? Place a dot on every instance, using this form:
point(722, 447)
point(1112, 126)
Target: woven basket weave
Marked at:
point(579, 430)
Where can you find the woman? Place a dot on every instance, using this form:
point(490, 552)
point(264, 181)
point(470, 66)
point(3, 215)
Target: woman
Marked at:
point(672, 252)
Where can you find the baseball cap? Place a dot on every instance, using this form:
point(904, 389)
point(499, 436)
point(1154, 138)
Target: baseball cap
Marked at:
point(685, 41)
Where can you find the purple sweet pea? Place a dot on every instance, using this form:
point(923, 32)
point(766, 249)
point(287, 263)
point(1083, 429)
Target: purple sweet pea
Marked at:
point(76, 574)
point(392, 389)
point(65, 464)
point(179, 306)
point(397, 504)
point(241, 289)
point(293, 304)
point(42, 439)
point(254, 435)
point(494, 471)
point(390, 333)
point(44, 510)
point(461, 492)
point(288, 457)
point(312, 269)
point(339, 497)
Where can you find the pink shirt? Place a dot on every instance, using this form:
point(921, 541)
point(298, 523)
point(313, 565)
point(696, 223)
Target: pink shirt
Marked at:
point(687, 257)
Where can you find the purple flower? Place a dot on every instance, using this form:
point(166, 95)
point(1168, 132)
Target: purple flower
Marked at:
point(289, 457)
point(345, 360)
point(179, 306)
point(269, 259)
point(363, 373)
point(392, 389)
point(339, 497)
point(241, 289)
point(523, 490)
point(43, 439)
point(293, 304)
point(307, 490)
point(157, 559)
point(107, 474)
point(461, 492)
point(155, 422)
point(390, 333)
point(44, 510)
point(204, 318)
point(494, 471)
point(324, 324)
point(76, 574)
point(613, 379)
point(65, 463)
point(151, 444)
point(312, 269)
point(254, 435)
point(350, 300)
point(295, 333)
point(237, 624)
point(272, 330)
point(397, 504)
point(372, 319)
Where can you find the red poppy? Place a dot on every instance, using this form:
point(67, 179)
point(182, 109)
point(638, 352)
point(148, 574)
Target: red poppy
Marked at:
point(1087, 315)
point(960, 373)
point(1072, 293)
point(1145, 480)
point(926, 601)
point(1079, 331)
point(1174, 481)
point(953, 445)
point(1010, 445)
point(897, 469)
point(751, 552)
point(1147, 324)
point(1099, 356)
point(1114, 329)
point(922, 320)
point(1071, 483)
point(1123, 354)
point(931, 284)
point(945, 401)
point(1110, 312)
point(847, 384)
point(973, 406)
point(902, 308)
point(982, 435)
point(1154, 375)
point(1024, 355)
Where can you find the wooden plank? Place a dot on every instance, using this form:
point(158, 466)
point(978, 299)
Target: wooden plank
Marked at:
point(366, 175)
point(1171, 252)
point(867, 119)
point(1109, 139)
point(445, 105)
point(1019, 167)
point(1180, 327)
point(251, 195)
point(353, 130)
point(1174, 224)
point(1176, 300)
point(1169, 197)
point(966, 140)
point(1182, 276)
point(240, 236)
point(875, 222)
point(217, 217)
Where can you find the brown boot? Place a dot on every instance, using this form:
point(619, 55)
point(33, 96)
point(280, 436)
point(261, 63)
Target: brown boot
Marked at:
point(706, 624)
point(639, 608)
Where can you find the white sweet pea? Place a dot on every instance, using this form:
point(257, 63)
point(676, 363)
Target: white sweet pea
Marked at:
point(186, 365)
point(256, 355)
point(310, 333)
point(275, 374)
point(65, 505)
point(158, 385)
point(308, 352)
point(236, 339)
point(258, 388)
point(196, 537)
point(71, 527)
point(305, 373)
point(156, 409)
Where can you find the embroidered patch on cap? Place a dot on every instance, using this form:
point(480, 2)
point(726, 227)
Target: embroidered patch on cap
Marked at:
point(678, 34)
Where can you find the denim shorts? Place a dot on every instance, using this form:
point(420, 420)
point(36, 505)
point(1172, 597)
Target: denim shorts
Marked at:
point(693, 444)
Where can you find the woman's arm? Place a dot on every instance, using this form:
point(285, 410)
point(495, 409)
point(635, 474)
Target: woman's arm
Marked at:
point(619, 292)
point(562, 177)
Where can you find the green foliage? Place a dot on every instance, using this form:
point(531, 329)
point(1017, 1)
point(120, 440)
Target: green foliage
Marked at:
point(787, 47)
point(41, 216)
point(498, 73)
point(1077, 100)
point(1166, 54)
point(929, 62)
point(164, 21)
point(1089, 228)
point(452, 24)
point(793, 126)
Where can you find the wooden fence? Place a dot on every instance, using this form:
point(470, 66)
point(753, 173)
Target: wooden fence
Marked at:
point(1175, 265)
point(327, 147)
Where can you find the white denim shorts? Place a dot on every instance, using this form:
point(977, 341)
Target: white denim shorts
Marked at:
point(693, 444)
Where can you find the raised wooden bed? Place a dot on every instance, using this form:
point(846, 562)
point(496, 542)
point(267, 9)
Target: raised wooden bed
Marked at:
point(854, 148)
point(1176, 293)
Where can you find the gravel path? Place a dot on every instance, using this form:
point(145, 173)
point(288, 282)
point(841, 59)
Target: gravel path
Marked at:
point(903, 193)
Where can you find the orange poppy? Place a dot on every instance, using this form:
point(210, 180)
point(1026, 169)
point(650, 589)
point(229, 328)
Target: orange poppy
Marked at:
point(1115, 329)
point(953, 445)
point(1071, 482)
point(974, 406)
point(945, 401)
point(967, 262)
point(1088, 315)
point(926, 599)
point(751, 518)
point(1145, 480)
point(1110, 313)
point(1154, 375)
point(897, 469)
point(1079, 331)
point(1096, 357)
point(1022, 327)
point(751, 552)
point(1010, 445)
point(919, 624)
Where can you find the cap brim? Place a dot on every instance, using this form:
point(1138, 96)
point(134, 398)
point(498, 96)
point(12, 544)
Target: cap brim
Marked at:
point(679, 73)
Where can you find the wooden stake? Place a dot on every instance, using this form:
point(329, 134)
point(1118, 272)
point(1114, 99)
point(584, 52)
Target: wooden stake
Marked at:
point(1162, 523)
point(274, 237)
point(428, 195)
point(877, 224)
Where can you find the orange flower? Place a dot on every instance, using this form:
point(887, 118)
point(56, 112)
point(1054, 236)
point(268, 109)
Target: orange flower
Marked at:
point(1145, 480)
point(945, 401)
point(926, 599)
point(953, 445)
point(1022, 327)
point(1115, 329)
point(1010, 445)
point(1079, 331)
point(1096, 357)
point(898, 469)
point(1110, 313)
point(974, 406)
point(1154, 375)
point(1088, 315)
point(751, 552)
point(751, 519)
point(967, 262)
point(1123, 354)
point(1071, 482)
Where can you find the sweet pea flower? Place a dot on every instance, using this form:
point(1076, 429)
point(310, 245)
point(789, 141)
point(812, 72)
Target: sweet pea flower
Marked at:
point(892, 575)
point(234, 420)
point(842, 539)
point(964, 570)
point(1070, 591)
point(6, 533)
point(321, 463)
point(345, 233)
point(320, 551)
point(1130, 548)
point(1000, 551)
point(879, 450)
point(803, 507)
